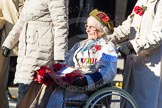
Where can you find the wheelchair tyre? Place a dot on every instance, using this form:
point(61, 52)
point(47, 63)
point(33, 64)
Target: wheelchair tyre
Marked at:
point(116, 96)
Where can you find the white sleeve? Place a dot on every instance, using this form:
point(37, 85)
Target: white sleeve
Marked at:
point(14, 34)
point(59, 14)
point(154, 39)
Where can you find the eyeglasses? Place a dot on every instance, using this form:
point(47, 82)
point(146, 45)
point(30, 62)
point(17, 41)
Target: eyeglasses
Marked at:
point(90, 27)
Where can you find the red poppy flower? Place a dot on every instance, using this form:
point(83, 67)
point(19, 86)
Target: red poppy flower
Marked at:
point(140, 10)
point(69, 77)
point(47, 80)
point(41, 75)
point(97, 47)
point(103, 17)
point(56, 67)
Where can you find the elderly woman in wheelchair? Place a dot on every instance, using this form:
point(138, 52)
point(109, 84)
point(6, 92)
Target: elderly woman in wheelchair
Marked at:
point(95, 57)
point(91, 63)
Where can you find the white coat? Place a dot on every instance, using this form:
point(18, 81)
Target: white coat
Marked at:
point(42, 31)
point(145, 34)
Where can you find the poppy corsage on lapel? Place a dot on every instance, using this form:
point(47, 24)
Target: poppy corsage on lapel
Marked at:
point(97, 47)
point(140, 10)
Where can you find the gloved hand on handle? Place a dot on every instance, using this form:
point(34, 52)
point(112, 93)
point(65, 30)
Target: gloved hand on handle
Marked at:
point(126, 48)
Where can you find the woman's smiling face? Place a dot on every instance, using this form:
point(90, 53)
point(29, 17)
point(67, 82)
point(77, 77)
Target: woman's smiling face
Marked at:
point(92, 28)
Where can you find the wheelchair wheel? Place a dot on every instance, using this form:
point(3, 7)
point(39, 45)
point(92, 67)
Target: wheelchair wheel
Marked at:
point(110, 97)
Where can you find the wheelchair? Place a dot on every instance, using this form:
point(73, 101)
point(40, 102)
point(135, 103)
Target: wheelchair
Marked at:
point(105, 97)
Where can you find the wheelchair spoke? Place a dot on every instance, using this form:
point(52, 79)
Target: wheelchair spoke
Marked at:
point(110, 97)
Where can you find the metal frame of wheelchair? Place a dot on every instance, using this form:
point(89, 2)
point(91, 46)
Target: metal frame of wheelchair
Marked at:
point(105, 97)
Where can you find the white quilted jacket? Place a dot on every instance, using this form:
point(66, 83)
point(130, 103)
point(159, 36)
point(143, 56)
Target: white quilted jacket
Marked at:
point(42, 31)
